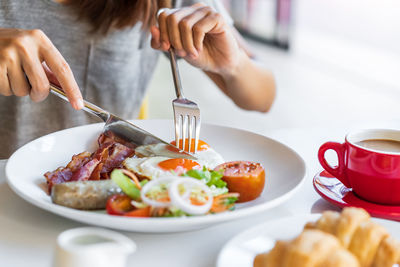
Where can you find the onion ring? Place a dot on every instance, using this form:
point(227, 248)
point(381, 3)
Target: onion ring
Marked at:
point(183, 201)
point(146, 188)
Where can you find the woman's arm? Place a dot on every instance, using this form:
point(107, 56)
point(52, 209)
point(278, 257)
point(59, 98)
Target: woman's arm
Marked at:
point(250, 86)
point(201, 37)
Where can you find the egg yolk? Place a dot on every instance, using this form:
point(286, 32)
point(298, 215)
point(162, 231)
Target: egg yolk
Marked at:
point(179, 166)
point(201, 146)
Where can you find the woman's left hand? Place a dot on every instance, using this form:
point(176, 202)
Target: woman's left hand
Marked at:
point(200, 36)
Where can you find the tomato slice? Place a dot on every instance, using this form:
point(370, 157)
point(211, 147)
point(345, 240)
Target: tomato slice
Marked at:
point(143, 212)
point(121, 205)
point(244, 177)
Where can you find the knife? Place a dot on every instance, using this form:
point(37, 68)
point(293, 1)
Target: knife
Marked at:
point(128, 131)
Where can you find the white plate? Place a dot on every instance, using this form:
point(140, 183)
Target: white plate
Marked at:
point(242, 249)
point(284, 173)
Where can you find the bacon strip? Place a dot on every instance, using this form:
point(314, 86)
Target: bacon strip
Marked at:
point(92, 166)
point(96, 172)
point(84, 173)
point(58, 176)
point(118, 154)
point(64, 174)
point(78, 161)
point(111, 137)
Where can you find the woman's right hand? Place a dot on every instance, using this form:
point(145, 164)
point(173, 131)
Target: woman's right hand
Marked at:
point(22, 53)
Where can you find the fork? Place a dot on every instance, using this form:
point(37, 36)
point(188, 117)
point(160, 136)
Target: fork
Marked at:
point(186, 112)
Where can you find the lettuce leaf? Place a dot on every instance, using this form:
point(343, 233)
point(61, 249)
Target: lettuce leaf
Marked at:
point(211, 177)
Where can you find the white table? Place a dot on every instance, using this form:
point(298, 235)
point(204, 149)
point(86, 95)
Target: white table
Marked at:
point(320, 98)
point(28, 234)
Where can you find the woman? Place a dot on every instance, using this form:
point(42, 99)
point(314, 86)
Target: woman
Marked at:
point(99, 50)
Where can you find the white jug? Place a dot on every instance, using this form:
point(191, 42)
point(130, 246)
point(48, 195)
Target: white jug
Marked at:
point(90, 246)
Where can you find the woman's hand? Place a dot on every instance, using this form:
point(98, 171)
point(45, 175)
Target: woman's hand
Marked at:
point(199, 35)
point(22, 53)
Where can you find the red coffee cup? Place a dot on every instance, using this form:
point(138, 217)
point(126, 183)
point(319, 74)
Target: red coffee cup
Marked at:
point(373, 175)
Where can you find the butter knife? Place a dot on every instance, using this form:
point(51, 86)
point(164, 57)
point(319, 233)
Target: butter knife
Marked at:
point(128, 131)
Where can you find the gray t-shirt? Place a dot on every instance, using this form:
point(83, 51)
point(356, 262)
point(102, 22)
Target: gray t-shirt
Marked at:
point(112, 71)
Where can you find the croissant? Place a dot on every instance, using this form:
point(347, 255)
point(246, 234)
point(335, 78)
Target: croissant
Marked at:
point(312, 248)
point(368, 241)
point(358, 242)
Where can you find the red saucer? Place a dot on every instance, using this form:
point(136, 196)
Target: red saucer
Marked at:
point(333, 191)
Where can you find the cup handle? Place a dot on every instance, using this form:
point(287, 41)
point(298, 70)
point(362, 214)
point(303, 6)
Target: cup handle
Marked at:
point(337, 171)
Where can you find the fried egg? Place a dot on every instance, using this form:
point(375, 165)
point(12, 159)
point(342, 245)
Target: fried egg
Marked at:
point(148, 165)
point(156, 167)
point(205, 155)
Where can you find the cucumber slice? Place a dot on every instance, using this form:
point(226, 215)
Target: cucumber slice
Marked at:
point(126, 184)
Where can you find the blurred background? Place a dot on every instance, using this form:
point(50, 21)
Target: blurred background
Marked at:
point(336, 63)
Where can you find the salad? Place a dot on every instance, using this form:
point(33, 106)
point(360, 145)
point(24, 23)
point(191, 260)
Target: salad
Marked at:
point(133, 182)
point(196, 192)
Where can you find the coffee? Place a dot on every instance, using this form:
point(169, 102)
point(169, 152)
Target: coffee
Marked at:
point(381, 145)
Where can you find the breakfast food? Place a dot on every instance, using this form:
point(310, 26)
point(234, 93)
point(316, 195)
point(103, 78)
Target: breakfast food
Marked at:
point(244, 177)
point(310, 248)
point(92, 166)
point(84, 195)
point(368, 241)
point(136, 182)
point(358, 242)
point(206, 156)
point(155, 167)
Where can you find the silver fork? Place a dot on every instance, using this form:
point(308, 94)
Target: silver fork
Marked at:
point(186, 112)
